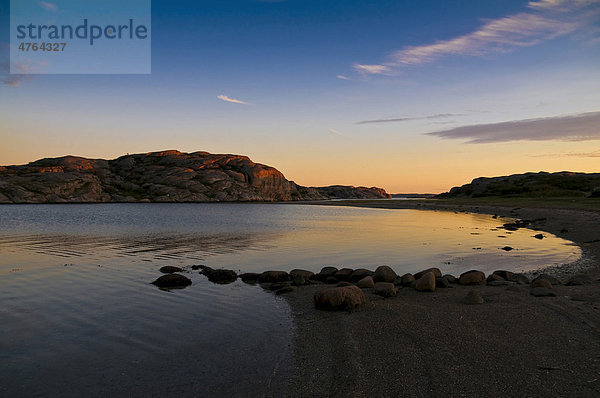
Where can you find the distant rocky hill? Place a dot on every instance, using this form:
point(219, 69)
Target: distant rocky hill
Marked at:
point(168, 176)
point(540, 184)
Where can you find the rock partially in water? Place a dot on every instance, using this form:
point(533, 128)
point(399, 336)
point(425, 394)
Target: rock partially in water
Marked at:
point(273, 276)
point(366, 283)
point(539, 236)
point(301, 272)
point(169, 269)
point(383, 273)
point(339, 298)
point(250, 277)
point(507, 248)
point(436, 272)
point(385, 289)
point(426, 283)
point(222, 276)
point(472, 278)
point(172, 281)
point(473, 297)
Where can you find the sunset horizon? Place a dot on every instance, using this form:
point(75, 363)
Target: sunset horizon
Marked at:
point(349, 93)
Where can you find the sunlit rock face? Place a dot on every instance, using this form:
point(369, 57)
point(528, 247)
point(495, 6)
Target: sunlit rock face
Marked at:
point(167, 176)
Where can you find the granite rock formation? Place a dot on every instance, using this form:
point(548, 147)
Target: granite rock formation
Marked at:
point(168, 176)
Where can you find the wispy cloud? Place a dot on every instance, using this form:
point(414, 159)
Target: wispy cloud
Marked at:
point(545, 20)
point(342, 77)
point(48, 6)
point(371, 69)
point(15, 80)
point(232, 100)
point(593, 154)
point(333, 131)
point(578, 127)
point(406, 119)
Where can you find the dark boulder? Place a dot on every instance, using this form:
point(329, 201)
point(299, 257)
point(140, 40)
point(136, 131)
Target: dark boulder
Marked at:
point(494, 278)
point(330, 280)
point(426, 283)
point(407, 279)
point(472, 278)
point(298, 280)
point(250, 277)
point(302, 272)
point(442, 283)
point(436, 272)
point(343, 274)
point(366, 283)
point(359, 274)
point(273, 276)
point(385, 289)
point(383, 273)
point(325, 273)
point(172, 281)
point(222, 276)
point(512, 277)
point(169, 269)
point(450, 278)
point(339, 298)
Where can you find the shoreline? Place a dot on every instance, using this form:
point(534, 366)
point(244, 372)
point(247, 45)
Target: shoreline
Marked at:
point(431, 344)
point(579, 226)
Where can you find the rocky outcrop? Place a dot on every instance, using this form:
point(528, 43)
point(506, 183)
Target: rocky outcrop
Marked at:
point(168, 176)
point(544, 184)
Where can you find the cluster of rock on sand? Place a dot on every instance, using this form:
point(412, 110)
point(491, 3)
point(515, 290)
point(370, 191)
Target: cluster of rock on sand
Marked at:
point(347, 294)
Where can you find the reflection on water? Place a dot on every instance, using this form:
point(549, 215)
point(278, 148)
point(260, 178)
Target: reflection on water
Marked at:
point(148, 247)
point(78, 314)
point(252, 237)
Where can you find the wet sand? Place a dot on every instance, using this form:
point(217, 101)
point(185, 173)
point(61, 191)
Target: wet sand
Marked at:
point(431, 344)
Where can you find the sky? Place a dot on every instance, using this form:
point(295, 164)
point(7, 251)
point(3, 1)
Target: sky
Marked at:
point(411, 96)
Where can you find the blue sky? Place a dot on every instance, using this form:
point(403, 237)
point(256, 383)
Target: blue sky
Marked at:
point(354, 92)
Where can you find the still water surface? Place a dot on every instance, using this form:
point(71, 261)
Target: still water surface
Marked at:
point(78, 313)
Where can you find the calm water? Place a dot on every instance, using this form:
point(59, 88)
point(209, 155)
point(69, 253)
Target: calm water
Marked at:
point(78, 314)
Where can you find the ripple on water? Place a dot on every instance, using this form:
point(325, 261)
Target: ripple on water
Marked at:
point(69, 330)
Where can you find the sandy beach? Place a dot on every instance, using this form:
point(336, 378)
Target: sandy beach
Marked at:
point(431, 344)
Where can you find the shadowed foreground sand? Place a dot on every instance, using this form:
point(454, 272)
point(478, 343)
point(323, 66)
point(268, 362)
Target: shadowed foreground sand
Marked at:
point(430, 344)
